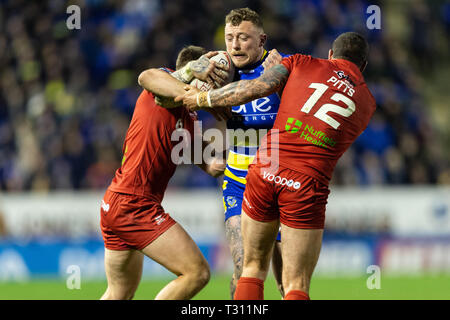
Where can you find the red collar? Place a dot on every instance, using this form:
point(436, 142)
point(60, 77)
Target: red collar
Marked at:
point(354, 69)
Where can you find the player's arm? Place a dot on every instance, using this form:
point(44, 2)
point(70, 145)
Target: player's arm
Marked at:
point(237, 93)
point(165, 86)
point(160, 83)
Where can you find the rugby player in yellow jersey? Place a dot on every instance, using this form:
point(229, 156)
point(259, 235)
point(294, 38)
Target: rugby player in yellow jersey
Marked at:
point(245, 40)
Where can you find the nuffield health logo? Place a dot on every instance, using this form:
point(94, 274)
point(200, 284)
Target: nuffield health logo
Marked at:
point(293, 125)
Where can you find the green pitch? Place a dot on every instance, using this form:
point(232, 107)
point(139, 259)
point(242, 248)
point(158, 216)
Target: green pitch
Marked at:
point(408, 288)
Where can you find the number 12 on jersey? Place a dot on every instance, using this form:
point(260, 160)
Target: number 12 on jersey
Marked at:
point(322, 113)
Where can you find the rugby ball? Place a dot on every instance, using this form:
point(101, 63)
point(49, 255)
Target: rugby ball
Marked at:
point(223, 58)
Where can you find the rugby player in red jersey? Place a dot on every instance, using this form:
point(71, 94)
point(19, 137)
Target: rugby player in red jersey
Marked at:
point(133, 222)
point(325, 106)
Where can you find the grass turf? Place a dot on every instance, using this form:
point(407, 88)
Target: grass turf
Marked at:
point(397, 288)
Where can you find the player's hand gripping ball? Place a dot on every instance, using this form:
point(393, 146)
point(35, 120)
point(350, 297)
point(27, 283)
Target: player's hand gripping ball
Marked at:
point(223, 58)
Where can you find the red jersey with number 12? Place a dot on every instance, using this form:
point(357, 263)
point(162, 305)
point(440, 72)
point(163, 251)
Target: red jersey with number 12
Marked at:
point(325, 106)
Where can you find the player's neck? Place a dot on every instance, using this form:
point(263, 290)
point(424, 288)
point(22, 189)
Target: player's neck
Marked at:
point(257, 62)
point(262, 55)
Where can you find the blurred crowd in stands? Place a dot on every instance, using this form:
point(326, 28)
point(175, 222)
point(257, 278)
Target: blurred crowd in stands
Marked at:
point(67, 96)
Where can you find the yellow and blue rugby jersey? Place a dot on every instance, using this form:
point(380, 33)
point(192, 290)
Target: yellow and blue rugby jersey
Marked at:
point(258, 115)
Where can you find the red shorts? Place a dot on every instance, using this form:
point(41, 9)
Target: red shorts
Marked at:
point(296, 199)
point(131, 222)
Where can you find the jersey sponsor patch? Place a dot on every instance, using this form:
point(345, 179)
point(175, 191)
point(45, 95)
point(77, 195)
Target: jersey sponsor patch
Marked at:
point(259, 113)
point(293, 125)
point(308, 133)
point(281, 180)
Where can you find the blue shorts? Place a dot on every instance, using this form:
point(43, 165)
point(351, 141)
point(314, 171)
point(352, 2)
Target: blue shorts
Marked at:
point(233, 195)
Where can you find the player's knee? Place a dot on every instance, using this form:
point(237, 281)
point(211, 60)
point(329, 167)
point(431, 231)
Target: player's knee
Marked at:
point(204, 277)
point(238, 266)
point(201, 275)
point(252, 263)
point(205, 273)
point(237, 273)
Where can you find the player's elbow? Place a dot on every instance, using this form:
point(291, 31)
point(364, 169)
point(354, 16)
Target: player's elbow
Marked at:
point(216, 171)
point(145, 77)
point(142, 77)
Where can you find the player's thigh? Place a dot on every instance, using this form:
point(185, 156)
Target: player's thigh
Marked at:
point(176, 251)
point(259, 218)
point(258, 238)
point(123, 269)
point(301, 200)
point(300, 250)
point(277, 261)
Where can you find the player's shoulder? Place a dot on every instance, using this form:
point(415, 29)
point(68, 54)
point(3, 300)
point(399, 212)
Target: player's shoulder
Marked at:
point(300, 57)
point(145, 102)
point(297, 60)
point(370, 97)
point(145, 94)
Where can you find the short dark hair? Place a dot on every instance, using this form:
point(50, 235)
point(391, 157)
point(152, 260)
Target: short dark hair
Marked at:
point(236, 16)
point(187, 54)
point(351, 46)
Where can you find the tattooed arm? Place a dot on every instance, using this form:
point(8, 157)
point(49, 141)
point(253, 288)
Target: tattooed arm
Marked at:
point(203, 69)
point(244, 91)
point(239, 92)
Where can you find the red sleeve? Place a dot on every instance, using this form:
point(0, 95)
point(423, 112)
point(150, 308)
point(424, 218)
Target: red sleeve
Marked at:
point(294, 60)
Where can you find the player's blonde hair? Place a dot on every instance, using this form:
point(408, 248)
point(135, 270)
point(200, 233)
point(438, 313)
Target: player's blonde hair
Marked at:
point(236, 16)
